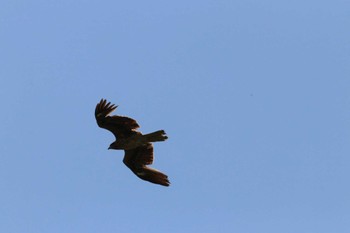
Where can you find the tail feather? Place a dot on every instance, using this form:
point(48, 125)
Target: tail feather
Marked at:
point(157, 136)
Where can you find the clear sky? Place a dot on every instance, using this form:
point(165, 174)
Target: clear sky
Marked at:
point(254, 96)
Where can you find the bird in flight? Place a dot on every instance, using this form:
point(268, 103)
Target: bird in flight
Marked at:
point(137, 146)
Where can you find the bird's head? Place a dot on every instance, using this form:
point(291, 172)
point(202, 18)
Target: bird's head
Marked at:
point(114, 146)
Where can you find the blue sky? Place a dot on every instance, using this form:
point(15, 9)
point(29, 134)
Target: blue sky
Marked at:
point(254, 96)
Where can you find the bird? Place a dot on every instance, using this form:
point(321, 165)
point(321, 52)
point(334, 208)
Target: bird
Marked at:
point(138, 148)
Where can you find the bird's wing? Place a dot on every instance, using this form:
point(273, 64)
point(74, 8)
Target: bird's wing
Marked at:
point(137, 159)
point(120, 126)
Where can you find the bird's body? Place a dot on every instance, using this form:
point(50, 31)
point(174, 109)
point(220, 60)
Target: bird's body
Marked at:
point(137, 146)
point(138, 139)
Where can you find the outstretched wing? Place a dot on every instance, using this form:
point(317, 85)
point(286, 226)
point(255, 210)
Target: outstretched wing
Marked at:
point(120, 126)
point(137, 159)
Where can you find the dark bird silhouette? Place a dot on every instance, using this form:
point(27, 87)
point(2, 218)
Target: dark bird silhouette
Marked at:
point(137, 146)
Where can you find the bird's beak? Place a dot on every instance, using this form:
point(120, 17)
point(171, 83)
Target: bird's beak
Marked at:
point(109, 148)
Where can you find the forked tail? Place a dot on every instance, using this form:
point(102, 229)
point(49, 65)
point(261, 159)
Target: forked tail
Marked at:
point(157, 136)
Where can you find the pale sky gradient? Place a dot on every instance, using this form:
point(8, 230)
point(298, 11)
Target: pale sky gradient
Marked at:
point(254, 95)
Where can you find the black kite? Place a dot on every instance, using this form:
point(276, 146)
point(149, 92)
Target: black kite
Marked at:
point(137, 146)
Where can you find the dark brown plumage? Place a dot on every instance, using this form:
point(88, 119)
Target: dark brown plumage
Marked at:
point(137, 146)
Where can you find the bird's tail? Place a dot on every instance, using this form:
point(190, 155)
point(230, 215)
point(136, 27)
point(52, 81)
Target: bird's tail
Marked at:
point(157, 136)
